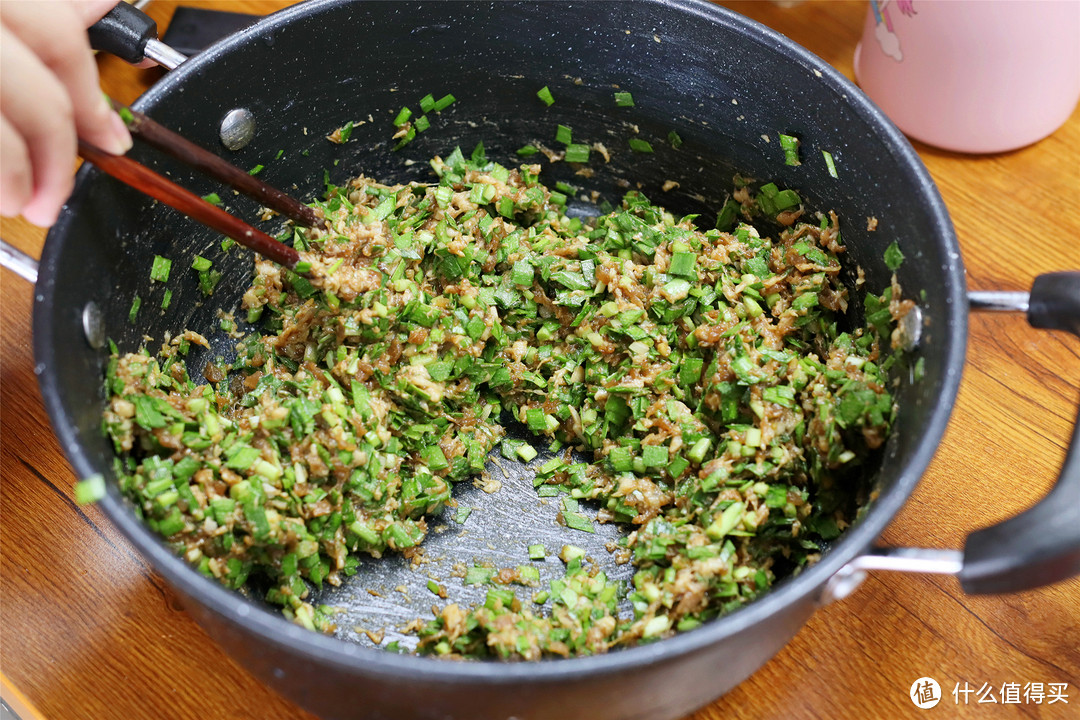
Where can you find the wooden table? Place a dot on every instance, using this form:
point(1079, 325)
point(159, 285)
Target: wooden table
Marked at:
point(88, 630)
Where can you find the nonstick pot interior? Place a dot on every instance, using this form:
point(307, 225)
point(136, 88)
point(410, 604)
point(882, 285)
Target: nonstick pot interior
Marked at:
point(725, 85)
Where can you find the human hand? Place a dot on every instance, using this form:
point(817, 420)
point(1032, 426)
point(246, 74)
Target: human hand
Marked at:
point(49, 97)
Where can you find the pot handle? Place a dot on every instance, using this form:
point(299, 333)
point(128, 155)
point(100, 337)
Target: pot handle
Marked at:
point(1042, 544)
point(132, 35)
point(18, 262)
point(1039, 546)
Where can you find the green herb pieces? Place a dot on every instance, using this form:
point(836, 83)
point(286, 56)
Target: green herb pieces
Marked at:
point(159, 271)
point(639, 145)
point(893, 257)
point(577, 153)
point(212, 198)
point(90, 489)
point(562, 134)
point(790, 145)
point(725, 407)
point(444, 102)
point(830, 164)
point(545, 95)
point(624, 99)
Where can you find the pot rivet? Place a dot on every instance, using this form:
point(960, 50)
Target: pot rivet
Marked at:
point(93, 325)
point(846, 580)
point(911, 328)
point(237, 128)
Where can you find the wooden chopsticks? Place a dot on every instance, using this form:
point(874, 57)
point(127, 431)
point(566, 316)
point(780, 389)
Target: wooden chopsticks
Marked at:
point(161, 188)
point(187, 152)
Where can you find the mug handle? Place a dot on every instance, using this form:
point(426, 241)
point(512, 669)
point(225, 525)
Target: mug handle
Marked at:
point(1039, 546)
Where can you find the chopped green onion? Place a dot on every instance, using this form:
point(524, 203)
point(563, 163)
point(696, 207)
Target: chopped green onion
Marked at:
point(562, 134)
point(537, 552)
point(160, 269)
point(91, 489)
point(790, 145)
point(577, 153)
point(427, 103)
point(527, 150)
point(133, 313)
point(443, 102)
point(624, 99)
point(166, 299)
point(675, 139)
point(639, 145)
point(402, 117)
point(829, 163)
point(545, 95)
point(212, 198)
point(893, 257)
point(256, 170)
point(422, 123)
point(200, 264)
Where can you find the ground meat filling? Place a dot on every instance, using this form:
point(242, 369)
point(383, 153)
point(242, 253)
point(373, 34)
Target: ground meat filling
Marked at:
point(726, 414)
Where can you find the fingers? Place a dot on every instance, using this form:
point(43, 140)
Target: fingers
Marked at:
point(61, 44)
point(16, 180)
point(90, 11)
point(37, 106)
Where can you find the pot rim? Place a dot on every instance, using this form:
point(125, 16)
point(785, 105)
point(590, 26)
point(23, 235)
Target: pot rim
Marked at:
point(275, 629)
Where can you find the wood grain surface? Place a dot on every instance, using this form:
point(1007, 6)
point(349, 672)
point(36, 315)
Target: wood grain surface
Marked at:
point(88, 630)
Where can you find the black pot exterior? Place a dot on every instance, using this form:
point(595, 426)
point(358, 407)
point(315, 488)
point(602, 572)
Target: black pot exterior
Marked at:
point(725, 84)
point(664, 687)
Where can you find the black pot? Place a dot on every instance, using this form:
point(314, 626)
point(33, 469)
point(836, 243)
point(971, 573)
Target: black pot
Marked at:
point(727, 86)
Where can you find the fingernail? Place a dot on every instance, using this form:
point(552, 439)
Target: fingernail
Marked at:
point(121, 142)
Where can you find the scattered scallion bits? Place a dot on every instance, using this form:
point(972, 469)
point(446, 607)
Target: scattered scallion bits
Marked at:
point(893, 257)
point(545, 95)
point(91, 489)
point(159, 271)
point(830, 164)
point(790, 145)
point(444, 102)
point(576, 153)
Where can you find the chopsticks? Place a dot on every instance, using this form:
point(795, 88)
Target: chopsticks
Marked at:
point(161, 188)
point(187, 152)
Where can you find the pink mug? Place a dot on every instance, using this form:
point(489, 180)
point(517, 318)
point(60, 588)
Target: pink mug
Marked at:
point(975, 76)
